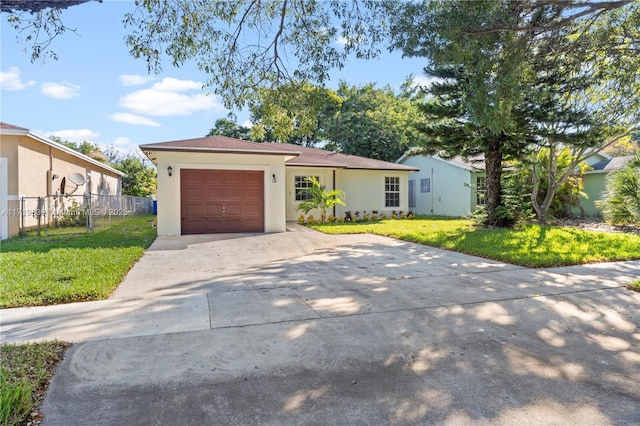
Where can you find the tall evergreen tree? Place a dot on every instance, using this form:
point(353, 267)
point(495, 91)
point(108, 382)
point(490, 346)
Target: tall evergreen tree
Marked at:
point(450, 132)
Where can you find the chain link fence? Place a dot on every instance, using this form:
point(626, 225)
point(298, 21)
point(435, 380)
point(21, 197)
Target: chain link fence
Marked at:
point(64, 214)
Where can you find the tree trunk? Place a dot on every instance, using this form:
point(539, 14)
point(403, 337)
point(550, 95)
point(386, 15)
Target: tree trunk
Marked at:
point(493, 165)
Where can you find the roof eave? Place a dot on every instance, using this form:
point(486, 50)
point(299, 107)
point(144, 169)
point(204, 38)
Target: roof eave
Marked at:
point(59, 146)
point(291, 154)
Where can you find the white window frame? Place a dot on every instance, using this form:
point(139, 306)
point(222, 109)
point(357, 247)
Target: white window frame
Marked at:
point(425, 185)
point(300, 185)
point(392, 188)
point(481, 190)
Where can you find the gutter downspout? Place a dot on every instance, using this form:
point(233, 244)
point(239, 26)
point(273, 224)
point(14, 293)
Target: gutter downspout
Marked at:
point(334, 187)
point(432, 189)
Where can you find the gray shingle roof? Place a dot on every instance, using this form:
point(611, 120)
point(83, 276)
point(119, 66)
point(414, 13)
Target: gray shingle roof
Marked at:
point(303, 156)
point(314, 157)
point(607, 165)
point(218, 144)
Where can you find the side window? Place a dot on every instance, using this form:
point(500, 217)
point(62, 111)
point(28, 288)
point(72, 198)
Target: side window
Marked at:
point(391, 191)
point(301, 186)
point(425, 185)
point(412, 193)
point(481, 190)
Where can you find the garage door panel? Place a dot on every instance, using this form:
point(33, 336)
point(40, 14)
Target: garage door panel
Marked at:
point(214, 201)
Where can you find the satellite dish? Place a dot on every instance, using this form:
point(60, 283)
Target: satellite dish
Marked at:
point(77, 179)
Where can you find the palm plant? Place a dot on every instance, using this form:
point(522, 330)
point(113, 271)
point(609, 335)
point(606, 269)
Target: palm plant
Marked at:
point(621, 202)
point(321, 199)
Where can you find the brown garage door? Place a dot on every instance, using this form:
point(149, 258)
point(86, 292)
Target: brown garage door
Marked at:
point(214, 201)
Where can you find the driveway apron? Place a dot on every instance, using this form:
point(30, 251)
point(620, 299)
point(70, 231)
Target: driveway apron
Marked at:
point(307, 328)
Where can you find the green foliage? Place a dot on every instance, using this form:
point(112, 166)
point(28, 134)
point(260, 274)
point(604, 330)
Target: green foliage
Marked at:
point(450, 132)
point(141, 180)
point(557, 176)
point(229, 127)
point(320, 199)
point(635, 286)
point(71, 268)
point(375, 123)
point(293, 113)
point(15, 399)
point(75, 215)
point(242, 45)
point(25, 371)
point(621, 201)
point(530, 245)
point(87, 148)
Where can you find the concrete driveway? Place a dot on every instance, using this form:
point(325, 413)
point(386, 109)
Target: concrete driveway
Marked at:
point(306, 328)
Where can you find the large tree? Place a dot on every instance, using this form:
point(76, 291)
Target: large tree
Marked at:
point(140, 179)
point(504, 48)
point(375, 122)
point(293, 113)
point(229, 127)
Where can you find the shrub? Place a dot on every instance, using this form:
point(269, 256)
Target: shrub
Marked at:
point(311, 219)
point(74, 216)
point(320, 198)
point(301, 219)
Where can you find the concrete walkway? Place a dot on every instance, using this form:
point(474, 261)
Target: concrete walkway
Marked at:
point(307, 328)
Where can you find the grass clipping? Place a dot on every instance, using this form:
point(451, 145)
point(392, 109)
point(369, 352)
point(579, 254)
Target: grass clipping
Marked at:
point(25, 373)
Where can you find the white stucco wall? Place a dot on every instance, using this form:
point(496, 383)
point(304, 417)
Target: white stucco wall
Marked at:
point(452, 187)
point(169, 186)
point(364, 189)
point(326, 178)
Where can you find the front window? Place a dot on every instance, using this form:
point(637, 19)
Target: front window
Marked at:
point(391, 191)
point(302, 183)
point(481, 190)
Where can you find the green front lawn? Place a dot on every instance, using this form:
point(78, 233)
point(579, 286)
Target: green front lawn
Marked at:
point(71, 267)
point(529, 245)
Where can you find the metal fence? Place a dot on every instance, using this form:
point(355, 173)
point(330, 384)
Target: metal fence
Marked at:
point(78, 213)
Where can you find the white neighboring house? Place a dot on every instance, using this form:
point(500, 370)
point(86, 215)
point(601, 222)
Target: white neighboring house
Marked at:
point(445, 187)
point(456, 187)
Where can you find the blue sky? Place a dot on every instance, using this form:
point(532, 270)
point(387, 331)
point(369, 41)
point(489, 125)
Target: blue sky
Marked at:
point(97, 92)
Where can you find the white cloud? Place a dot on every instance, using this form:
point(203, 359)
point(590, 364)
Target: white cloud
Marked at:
point(169, 84)
point(10, 80)
point(341, 41)
point(425, 81)
point(164, 99)
point(247, 123)
point(122, 144)
point(135, 80)
point(64, 90)
point(122, 141)
point(73, 135)
point(137, 120)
